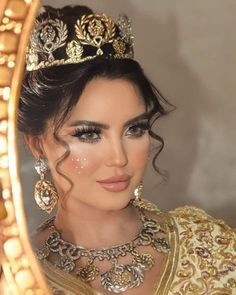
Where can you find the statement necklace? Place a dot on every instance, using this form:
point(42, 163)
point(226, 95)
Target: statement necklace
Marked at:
point(120, 277)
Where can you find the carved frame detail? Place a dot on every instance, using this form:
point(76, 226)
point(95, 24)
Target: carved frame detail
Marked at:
point(20, 272)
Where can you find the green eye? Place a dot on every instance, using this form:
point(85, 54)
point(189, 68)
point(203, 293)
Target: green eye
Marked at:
point(137, 130)
point(87, 134)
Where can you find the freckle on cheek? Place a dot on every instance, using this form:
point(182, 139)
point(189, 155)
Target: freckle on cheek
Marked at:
point(80, 163)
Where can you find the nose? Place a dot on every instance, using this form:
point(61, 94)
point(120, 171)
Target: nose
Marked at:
point(117, 155)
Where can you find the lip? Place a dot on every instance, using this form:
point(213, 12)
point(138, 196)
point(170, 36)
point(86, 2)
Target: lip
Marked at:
point(115, 183)
point(115, 178)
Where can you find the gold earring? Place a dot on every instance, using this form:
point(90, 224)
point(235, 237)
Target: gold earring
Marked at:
point(138, 195)
point(141, 203)
point(45, 193)
point(138, 192)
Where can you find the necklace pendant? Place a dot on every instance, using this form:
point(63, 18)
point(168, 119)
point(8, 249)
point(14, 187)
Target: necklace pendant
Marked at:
point(43, 253)
point(121, 278)
point(160, 245)
point(143, 261)
point(66, 264)
point(88, 273)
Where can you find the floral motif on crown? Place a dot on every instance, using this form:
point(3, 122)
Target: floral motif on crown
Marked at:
point(95, 35)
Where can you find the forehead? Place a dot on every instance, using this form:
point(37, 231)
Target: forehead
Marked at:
point(105, 98)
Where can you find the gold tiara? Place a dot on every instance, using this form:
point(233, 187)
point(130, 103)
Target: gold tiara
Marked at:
point(93, 35)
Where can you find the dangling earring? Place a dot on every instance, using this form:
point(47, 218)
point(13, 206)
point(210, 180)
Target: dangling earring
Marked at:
point(138, 192)
point(141, 203)
point(45, 193)
point(138, 195)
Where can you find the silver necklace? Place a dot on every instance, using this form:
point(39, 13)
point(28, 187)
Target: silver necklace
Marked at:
point(120, 277)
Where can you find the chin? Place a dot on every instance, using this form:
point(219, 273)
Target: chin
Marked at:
point(115, 203)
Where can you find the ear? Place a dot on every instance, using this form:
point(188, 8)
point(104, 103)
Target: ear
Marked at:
point(35, 145)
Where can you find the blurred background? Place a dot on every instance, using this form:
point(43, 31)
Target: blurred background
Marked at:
point(188, 49)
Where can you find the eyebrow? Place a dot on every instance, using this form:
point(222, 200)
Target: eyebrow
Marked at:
point(144, 116)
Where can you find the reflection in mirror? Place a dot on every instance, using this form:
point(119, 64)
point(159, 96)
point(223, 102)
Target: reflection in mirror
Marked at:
point(88, 113)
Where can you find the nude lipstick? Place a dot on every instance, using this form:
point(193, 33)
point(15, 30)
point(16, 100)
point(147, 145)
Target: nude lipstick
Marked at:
point(115, 183)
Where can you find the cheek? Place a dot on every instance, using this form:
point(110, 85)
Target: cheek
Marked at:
point(81, 161)
point(139, 153)
point(79, 167)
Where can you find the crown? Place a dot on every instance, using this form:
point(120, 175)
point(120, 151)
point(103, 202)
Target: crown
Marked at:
point(93, 35)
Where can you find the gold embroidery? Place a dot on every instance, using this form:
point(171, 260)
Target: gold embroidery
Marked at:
point(207, 261)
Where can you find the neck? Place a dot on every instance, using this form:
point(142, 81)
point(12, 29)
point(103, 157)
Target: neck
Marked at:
point(94, 228)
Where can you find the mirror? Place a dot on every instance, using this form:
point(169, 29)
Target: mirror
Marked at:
point(20, 272)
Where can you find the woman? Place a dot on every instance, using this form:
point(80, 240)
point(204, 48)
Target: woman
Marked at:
point(87, 112)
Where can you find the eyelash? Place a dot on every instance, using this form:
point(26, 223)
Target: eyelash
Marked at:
point(84, 133)
point(142, 127)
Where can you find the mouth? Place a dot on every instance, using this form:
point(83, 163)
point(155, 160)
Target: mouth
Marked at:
point(116, 183)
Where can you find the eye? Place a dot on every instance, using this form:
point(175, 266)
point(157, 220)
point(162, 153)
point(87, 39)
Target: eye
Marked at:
point(88, 134)
point(138, 130)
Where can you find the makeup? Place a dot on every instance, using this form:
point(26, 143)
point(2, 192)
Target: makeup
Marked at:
point(108, 146)
point(116, 183)
point(80, 163)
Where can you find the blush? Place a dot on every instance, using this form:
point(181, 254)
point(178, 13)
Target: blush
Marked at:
point(79, 163)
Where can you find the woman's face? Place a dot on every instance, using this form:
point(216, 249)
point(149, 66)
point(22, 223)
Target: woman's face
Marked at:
point(107, 134)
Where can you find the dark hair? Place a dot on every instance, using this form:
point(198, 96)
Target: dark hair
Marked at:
point(51, 93)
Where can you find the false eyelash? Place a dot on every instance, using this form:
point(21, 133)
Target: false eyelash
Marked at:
point(85, 129)
point(82, 131)
point(143, 125)
point(138, 130)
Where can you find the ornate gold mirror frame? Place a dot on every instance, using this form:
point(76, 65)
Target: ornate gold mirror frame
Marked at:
point(19, 270)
